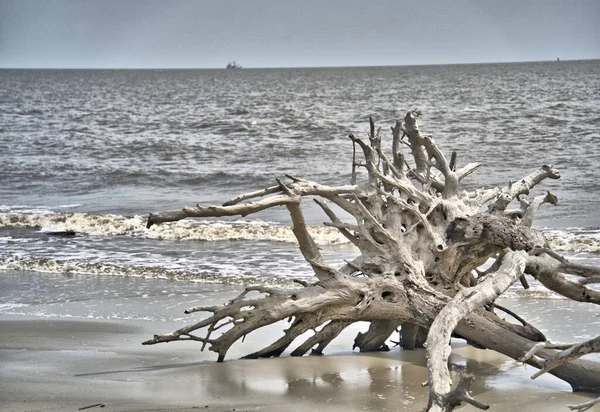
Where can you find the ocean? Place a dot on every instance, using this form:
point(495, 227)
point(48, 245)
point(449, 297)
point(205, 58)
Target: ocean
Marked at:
point(85, 155)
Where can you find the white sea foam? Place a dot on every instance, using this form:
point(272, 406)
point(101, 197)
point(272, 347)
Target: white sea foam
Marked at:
point(85, 267)
point(574, 240)
point(568, 240)
point(116, 225)
point(9, 307)
point(213, 231)
point(26, 209)
point(516, 292)
point(69, 206)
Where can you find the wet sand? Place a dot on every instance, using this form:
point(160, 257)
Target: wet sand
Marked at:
point(63, 365)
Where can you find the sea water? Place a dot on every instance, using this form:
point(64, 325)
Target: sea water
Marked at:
point(85, 155)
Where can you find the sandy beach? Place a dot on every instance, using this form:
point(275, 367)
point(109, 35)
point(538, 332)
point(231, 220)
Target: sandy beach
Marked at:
point(58, 364)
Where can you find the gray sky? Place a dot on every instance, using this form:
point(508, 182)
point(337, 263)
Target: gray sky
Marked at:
point(299, 33)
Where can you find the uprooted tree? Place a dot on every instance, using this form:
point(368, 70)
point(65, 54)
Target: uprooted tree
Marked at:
point(432, 260)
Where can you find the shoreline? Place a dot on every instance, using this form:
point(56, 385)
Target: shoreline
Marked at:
point(58, 364)
point(71, 341)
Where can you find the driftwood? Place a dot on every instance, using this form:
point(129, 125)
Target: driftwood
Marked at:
point(423, 243)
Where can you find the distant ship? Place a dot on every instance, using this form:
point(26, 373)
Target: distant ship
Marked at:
point(233, 65)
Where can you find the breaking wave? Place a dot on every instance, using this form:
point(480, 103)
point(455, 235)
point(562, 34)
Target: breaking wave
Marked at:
point(29, 244)
point(84, 267)
point(574, 240)
point(135, 226)
point(569, 240)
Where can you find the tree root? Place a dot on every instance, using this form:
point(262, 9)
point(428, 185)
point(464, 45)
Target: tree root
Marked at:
point(581, 407)
point(421, 244)
point(569, 353)
point(374, 339)
point(467, 300)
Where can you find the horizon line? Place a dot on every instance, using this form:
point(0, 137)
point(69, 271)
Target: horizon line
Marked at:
point(296, 67)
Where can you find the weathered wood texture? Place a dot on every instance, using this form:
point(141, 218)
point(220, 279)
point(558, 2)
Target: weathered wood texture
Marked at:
point(422, 243)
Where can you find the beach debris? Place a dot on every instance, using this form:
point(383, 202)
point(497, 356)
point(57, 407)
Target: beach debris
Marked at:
point(101, 405)
point(431, 259)
point(581, 407)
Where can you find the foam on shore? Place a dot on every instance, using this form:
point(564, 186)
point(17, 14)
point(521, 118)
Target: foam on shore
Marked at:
point(569, 240)
point(135, 226)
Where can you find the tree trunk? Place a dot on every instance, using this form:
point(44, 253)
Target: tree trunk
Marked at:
point(374, 339)
point(422, 242)
point(412, 336)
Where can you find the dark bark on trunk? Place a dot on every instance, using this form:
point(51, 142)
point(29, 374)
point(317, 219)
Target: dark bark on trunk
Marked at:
point(412, 336)
point(374, 339)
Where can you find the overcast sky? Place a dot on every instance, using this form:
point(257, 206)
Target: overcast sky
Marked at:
point(298, 33)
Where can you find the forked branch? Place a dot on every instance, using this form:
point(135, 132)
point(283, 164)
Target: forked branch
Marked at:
point(420, 242)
